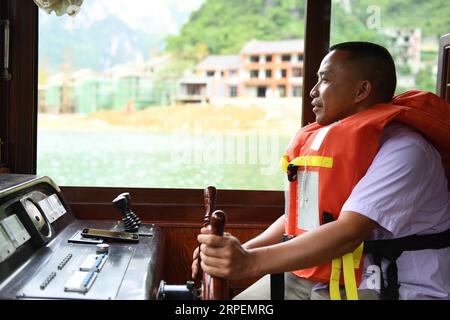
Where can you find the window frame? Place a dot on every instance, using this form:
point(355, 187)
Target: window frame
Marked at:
point(233, 90)
point(286, 58)
point(254, 74)
point(254, 59)
point(296, 72)
point(18, 118)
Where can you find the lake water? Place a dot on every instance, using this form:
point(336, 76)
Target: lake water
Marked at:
point(162, 160)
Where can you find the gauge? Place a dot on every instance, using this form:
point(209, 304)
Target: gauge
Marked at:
point(34, 213)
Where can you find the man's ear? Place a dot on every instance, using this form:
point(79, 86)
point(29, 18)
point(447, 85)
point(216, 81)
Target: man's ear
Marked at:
point(363, 91)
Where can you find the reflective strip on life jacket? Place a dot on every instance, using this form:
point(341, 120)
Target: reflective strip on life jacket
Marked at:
point(309, 161)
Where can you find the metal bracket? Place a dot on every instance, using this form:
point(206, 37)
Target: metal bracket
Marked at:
point(1, 149)
point(5, 75)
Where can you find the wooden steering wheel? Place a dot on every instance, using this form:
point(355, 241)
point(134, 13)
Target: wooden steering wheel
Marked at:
point(213, 288)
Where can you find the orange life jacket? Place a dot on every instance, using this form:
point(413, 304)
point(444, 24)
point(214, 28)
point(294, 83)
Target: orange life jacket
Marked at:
point(326, 163)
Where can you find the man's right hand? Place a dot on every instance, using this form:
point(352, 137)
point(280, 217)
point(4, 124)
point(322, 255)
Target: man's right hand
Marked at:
point(195, 264)
point(196, 269)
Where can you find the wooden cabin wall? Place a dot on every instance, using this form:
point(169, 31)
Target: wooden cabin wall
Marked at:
point(180, 213)
point(18, 96)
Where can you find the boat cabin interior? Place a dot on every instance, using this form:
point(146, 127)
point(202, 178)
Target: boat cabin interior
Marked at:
point(113, 242)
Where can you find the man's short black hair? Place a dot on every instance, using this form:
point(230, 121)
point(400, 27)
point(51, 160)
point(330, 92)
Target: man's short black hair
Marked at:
point(376, 65)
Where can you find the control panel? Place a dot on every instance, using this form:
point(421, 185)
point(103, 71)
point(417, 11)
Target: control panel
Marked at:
point(45, 253)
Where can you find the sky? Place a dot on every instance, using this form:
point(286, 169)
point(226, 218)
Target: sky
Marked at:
point(145, 15)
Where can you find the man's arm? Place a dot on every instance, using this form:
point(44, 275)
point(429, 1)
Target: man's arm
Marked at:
point(225, 257)
point(272, 235)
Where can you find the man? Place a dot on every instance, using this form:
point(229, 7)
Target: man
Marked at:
point(379, 179)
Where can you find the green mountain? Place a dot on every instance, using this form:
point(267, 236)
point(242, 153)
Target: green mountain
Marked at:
point(223, 26)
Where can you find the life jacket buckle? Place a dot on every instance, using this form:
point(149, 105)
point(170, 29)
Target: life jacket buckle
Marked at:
point(292, 172)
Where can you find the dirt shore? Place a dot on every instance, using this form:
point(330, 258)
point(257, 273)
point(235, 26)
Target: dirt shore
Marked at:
point(186, 118)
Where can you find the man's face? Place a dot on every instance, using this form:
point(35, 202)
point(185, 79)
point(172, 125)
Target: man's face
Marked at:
point(336, 88)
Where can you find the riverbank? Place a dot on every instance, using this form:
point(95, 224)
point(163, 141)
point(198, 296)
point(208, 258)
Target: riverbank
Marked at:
point(184, 118)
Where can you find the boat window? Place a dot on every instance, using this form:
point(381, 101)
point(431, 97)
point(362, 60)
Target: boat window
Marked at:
point(158, 94)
